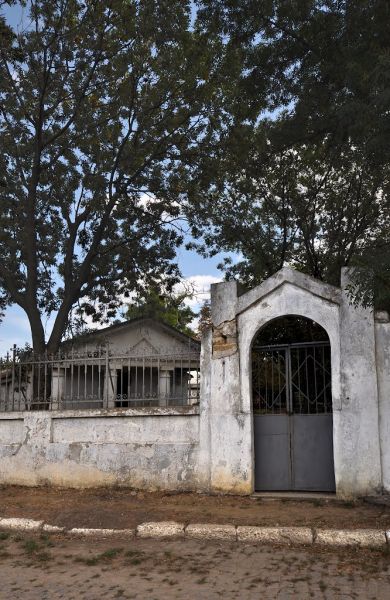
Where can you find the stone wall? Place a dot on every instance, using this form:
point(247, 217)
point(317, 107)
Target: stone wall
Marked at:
point(147, 448)
point(382, 337)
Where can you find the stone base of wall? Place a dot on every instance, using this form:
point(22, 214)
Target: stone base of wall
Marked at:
point(144, 448)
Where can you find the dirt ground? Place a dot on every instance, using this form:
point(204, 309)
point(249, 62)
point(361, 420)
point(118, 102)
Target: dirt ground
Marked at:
point(42, 567)
point(124, 509)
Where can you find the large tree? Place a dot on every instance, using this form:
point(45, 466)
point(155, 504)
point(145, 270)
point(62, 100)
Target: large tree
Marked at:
point(304, 206)
point(306, 181)
point(325, 63)
point(102, 104)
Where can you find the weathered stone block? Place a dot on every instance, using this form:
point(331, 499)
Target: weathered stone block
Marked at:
point(275, 535)
point(101, 532)
point(21, 524)
point(364, 538)
point(211, 531)
point(160, 529)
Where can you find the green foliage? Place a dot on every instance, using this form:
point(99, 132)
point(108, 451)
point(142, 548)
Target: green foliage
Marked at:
point(168, 308)
point(103, 106)
point(205, 322)
point(304, 206)
point(322, 65)
point(301, 176)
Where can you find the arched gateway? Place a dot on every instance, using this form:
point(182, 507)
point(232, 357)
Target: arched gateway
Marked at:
point(300, 413)
point(292, 406)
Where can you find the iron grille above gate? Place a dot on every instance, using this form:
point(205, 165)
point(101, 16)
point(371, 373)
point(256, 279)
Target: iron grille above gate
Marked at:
point(292, 379)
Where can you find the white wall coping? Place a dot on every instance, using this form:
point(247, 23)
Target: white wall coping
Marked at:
point(288, 275)
point(144, 411)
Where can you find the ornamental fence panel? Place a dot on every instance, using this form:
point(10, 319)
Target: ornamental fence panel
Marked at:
point(98, 379)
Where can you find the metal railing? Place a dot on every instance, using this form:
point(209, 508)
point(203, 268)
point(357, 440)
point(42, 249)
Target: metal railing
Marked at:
point(292, 379)
point(100, 378)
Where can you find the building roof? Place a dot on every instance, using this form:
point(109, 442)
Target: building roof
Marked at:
point(102, 333)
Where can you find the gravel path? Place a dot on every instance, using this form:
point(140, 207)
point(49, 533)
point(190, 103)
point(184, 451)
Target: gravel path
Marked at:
point(48, 567)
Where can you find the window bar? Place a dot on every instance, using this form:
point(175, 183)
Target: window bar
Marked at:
point(45, 358)
point(307, 385)
point(38, 369)
point(143, 378)
point(119, 395)
point(315, 379)
point(59, 371)
point(324, 381)
point(107, 377)
point(65, 385)
point(183, 392)
point(279, 369)
point(266, 384)
point(272, 381)
point(128, 381)
point(71, 376)
point(78, 382)
point(51, 381)
point(151, 379)
point(6, 382)
point(85, 374)
point(99, 369)
point(13, 376)
point(19, 383)
point(299, 381)
point(289, 380)
point(136, 380)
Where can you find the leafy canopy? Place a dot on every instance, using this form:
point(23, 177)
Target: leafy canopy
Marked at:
point(102, 107)
point(302, 172)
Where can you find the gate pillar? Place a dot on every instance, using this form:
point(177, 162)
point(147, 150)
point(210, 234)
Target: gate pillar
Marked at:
point(356, 425)
point(230, 428)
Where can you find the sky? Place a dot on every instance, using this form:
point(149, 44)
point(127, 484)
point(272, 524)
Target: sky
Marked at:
point(198, 271)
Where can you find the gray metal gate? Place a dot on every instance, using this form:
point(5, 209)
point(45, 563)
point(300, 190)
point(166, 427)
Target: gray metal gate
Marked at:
point(293, 426)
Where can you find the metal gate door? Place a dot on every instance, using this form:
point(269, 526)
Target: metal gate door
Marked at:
point(293, 427)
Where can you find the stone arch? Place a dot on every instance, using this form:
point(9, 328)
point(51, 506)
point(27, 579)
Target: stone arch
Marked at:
point(291, 400)
point(260, 315)
point(236, 319)
point(287, 293)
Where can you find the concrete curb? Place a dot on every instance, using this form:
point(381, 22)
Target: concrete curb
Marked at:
point(15, 524)
point(160, 529)
point(211, 531)
point(275, 535)
point(363, 538)
point(291, 536)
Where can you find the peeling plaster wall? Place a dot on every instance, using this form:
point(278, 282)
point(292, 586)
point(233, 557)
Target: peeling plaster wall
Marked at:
point(137, 448)
point(230, 427)
point(356, 419)
point(382, 335)
point(211, 447)
point(356, 437)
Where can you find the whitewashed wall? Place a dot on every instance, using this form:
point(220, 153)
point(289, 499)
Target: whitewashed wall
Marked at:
point(210, 447)
point(152, 449)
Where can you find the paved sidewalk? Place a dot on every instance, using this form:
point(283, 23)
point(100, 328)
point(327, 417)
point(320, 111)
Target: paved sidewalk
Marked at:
point(126, 509)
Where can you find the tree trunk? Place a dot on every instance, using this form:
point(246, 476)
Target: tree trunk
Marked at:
point(40, 372)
